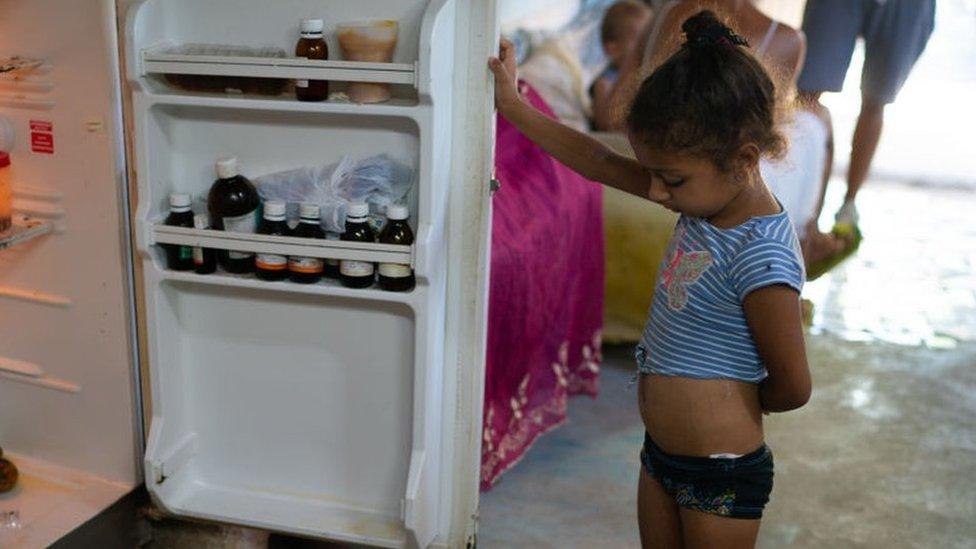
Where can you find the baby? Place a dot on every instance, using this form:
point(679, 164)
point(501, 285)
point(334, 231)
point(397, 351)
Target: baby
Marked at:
point(619, 32)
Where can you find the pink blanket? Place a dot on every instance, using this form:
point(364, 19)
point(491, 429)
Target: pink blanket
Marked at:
point(546, 296)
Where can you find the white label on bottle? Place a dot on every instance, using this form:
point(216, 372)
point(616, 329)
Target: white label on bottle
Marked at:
point(301, 83)
point(272, 262)
point(393, 270)
point(198, 256)
point(356, 268)
point(308, 265)
point(246, 223)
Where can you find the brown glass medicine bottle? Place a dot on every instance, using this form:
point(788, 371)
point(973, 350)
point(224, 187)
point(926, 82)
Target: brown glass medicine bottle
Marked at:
point(307, 270)
point(394, 277)
point(357, 274)
point(311, 45)
point(272, 266)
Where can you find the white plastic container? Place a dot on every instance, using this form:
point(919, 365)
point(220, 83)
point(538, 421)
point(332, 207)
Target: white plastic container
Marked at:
point(370, 41)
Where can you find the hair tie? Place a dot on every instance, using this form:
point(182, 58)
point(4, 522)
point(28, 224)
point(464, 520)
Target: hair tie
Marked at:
point(715, 35)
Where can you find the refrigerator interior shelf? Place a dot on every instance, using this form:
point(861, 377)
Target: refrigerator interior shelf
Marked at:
point(21, 101)
point(25, 229)
point(159, 61)
point(325, 287)
point(285, 245)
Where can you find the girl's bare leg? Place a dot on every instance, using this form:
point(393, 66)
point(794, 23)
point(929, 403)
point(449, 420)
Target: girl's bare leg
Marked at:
point(660, 526)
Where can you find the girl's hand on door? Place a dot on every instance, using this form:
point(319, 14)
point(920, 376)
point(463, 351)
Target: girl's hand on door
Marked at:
point(506, 76)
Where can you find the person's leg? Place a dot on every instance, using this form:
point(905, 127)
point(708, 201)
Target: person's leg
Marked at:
point(706, 531)
point(657, 513)
point(895, 35)
point(867, 134)
point(831, 28)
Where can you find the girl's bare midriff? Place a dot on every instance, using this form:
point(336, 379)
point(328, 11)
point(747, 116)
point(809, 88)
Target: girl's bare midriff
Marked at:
point(700, 417)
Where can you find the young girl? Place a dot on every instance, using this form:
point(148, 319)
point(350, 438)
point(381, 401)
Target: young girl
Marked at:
point(723, 343)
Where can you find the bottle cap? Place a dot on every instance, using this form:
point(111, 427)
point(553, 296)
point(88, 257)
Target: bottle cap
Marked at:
point(274, 210)
point(201, 221)
point(4, 159)
point(357, 209)
point(226, 167)
point(179, 201)
point(312, 26)
point(308, 211)
point(397, 212)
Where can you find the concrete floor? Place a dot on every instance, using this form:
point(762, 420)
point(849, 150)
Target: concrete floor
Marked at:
point(884, 455)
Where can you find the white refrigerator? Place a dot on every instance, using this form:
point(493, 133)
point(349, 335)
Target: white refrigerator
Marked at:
point(345, 414)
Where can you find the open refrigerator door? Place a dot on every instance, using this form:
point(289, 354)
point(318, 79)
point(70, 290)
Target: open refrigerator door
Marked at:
point(316, 409)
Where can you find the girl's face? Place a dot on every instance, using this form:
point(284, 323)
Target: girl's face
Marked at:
point(687, 184)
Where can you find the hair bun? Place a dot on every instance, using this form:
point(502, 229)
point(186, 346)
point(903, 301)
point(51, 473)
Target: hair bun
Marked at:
point(705, 29)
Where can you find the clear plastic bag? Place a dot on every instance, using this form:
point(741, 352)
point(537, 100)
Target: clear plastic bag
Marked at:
point(378, 180)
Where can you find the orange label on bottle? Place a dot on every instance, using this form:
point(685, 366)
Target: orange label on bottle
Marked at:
point(271, 262)
point(307, 265)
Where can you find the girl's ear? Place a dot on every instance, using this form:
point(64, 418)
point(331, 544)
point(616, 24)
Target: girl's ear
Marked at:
point(746, 158)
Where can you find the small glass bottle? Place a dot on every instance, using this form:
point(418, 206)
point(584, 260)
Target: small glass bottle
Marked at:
point(357, 274)
point(179, 258)
point(272, 266)
point(204, 259)
point(312, 46)
point(394, 277)
point(307, 270)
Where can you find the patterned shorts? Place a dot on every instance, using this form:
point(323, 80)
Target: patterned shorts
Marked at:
point(730, 487)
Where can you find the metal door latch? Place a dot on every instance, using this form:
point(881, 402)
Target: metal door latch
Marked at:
point(494, 185)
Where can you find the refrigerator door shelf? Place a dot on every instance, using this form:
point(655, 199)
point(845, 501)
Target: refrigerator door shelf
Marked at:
point(285, 245)
point(159, 61)
point(327, 286)
point(401, 107)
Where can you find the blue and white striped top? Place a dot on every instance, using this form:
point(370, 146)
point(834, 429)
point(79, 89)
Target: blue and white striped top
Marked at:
point(696, 326)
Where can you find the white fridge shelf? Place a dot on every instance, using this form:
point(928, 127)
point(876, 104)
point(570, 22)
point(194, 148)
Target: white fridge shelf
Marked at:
point(301, 514)
point(284, 245)
point(158, 61)
point(327, 286)
point(24, 229)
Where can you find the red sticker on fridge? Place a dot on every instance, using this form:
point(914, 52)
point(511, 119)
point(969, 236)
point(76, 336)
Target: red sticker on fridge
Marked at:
point(41, 126)
point(42, 136)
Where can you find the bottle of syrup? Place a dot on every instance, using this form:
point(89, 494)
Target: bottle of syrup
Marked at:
point(312, 46)
point(357, 274)
point(204, 259)
point(394, 277)
point(179, 258)
point(233, 203)
point(307, 270)
point(272, 266)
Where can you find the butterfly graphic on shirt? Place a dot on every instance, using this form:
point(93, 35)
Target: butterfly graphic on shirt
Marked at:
point(683, 268)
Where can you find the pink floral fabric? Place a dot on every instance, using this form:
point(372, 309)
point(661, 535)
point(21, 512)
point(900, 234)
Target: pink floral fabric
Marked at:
point(546, 296)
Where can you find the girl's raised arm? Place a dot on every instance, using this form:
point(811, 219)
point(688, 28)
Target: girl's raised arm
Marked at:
point(580, 152)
